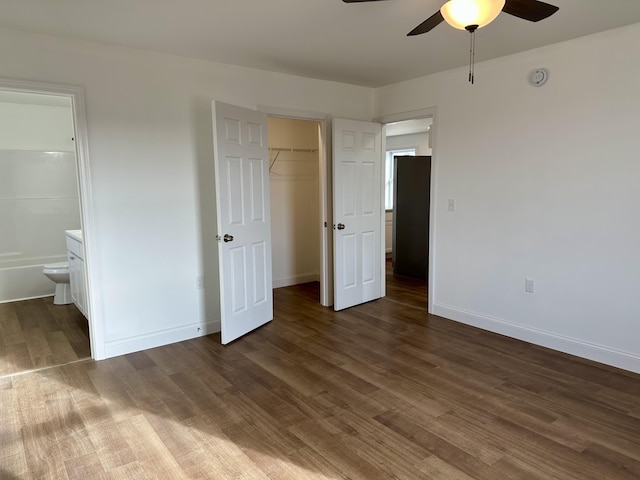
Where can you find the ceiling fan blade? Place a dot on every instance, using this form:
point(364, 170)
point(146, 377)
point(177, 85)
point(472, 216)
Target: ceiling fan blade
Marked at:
point(429, 24)
point(532, 10)
point(358, 1)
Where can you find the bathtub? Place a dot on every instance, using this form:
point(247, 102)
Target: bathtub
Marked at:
point(38, 202)
point(27, 281)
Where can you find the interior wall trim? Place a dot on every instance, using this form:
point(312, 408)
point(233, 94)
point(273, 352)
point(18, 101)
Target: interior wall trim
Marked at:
point(431, 112)
point(163, 337)
point(579, 348)
point(296, 280)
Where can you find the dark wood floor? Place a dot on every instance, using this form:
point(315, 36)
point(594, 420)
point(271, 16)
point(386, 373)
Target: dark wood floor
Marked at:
point(36, 334)
point(379, 391)
point(405, 290)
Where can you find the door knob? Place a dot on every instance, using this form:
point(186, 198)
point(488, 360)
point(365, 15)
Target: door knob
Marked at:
point(341, 226)
point(227, 238)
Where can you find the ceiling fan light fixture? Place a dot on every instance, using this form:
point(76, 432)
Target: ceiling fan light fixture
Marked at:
point(463, 13)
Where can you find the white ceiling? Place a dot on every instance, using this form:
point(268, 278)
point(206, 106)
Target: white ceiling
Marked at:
point(361, 43)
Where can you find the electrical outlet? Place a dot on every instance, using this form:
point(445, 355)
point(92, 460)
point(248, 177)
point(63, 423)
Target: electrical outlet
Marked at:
point(199, 282)
point(529, 285)
point(452, 204)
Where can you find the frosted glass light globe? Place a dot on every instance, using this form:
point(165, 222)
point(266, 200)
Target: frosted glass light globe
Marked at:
point(462, 13)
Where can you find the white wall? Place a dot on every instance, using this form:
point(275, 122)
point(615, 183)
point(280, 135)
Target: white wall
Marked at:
point(150, 156)
point(295, 201)
point(546, 184)
point(419, 141)
point(38, 195)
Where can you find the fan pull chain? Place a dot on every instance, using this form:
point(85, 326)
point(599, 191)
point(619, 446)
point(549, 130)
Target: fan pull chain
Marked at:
point(472, 52)
point(472, 58)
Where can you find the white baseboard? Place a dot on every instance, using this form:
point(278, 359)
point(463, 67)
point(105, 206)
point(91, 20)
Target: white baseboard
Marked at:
point(158, 339)
point(296, 280)
point(26, 298)
point(579, 348)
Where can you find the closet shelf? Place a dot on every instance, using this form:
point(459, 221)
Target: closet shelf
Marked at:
point(286, 149)
point(279, 150)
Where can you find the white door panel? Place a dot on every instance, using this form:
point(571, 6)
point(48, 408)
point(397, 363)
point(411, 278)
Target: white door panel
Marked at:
point(244, 232)
point(357, 182)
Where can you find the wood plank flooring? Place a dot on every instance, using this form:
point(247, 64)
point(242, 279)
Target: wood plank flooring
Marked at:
point(36, 334)
point(405, 290)
point(379, 391)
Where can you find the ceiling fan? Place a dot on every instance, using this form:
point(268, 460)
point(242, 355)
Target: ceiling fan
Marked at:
point(473, 14)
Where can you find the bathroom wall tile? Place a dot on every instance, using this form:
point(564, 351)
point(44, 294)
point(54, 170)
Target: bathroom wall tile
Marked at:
point(25, 174)
point(37, 229)
point(9, 245)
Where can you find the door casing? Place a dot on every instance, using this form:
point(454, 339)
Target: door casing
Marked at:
point(431, 112)
point(326, 207)
point(324, 119)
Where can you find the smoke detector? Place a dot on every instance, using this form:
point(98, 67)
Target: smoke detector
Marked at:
point(539, 77)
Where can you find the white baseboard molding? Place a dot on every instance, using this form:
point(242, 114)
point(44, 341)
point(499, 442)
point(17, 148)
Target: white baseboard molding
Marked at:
point(296, 280)
point(27, 298)
point(158, 339)
point(579, 348)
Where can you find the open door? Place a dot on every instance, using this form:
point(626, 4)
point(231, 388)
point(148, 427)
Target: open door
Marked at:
point(241, 160)
point(357, 212)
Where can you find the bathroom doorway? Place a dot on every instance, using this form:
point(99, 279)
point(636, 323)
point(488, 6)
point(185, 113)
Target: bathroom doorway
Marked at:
point(39, 200)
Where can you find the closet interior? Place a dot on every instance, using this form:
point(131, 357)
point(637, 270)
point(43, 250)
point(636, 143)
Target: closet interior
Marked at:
point(294, 174)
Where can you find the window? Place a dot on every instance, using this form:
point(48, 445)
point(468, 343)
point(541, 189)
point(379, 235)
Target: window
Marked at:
point(388, 174)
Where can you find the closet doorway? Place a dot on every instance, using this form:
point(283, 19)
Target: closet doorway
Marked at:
point(296, 200)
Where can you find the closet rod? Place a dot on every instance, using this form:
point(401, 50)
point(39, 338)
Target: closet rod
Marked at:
point(305, 150)
point(273, 162)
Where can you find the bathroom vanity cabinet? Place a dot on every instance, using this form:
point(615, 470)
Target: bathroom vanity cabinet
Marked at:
point(77, 281)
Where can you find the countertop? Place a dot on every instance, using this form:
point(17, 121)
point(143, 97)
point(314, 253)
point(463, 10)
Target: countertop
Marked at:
point(75, 234)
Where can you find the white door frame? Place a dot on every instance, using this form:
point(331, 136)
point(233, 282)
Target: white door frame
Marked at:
point(326, 207)
point(76, 95)
point(326, 268)
point(431, 112)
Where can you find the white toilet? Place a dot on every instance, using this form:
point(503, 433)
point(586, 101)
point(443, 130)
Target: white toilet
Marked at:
point(59, 273)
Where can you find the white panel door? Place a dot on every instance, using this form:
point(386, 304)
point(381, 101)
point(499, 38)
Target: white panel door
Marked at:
point(241, 158)
point(357, 212)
